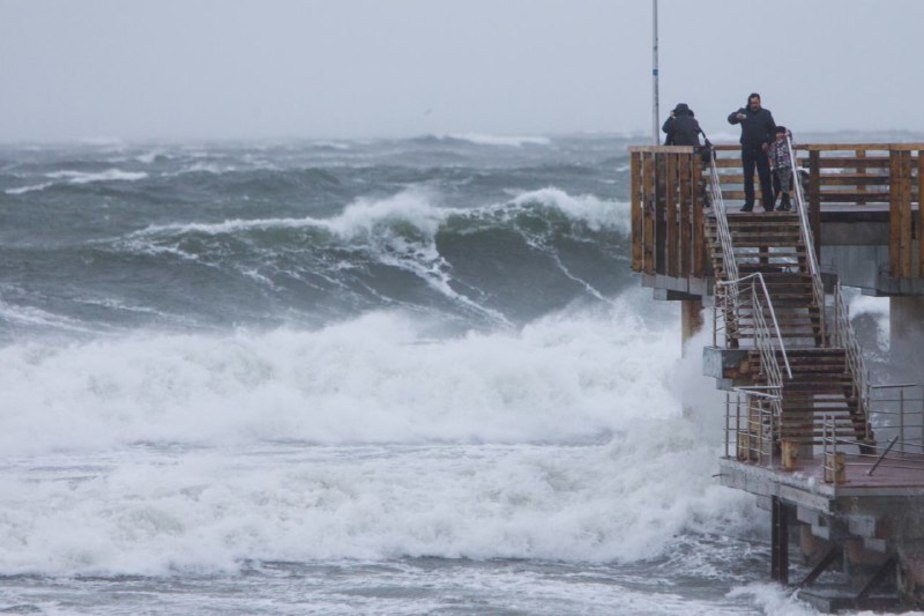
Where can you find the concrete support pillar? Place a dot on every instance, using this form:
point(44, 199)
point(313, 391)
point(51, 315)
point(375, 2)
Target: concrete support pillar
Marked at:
point(691, 317)
point(906, 326)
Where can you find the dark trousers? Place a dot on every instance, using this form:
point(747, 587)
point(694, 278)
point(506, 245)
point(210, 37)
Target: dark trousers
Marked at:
point(752, 155)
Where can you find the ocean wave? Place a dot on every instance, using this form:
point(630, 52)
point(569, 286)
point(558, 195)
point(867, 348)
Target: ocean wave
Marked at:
point(367, 439)
point(499, 140)
point(27, 189)
point(416, 209)
point(110, 175)
point(368, 250)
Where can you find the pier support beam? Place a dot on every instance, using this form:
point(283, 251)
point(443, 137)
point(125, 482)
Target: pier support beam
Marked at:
point(779, 541)
point(691, 320)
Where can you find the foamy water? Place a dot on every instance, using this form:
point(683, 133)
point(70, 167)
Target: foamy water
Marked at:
point(341, 378)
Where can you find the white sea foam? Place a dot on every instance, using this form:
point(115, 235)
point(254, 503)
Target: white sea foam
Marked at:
point(26, 189)
point(562, 441)
point(595, 212)
point(774, 600)
point(417, 208)
point(110, 175)
point(501, 140)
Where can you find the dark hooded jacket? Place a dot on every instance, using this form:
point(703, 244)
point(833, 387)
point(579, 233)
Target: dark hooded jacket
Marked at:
point(756, 128)
point(682, 128)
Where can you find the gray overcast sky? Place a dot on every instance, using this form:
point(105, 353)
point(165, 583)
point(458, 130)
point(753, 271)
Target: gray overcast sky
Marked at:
point(174, 69)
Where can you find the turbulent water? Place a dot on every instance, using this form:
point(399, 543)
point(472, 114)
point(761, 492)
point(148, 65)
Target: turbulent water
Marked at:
point(386, 377)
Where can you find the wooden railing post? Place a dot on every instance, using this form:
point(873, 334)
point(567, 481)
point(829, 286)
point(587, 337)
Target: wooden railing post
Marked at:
point(698, 241)
point(920, 226)
point(671, 248)
point(900, 248)
point(648, 205)
point(815, 198)
point(635, 200)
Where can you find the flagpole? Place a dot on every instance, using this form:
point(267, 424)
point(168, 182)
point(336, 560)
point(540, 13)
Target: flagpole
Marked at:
point(655, 112)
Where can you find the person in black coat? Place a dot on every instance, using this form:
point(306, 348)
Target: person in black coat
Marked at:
point(682, 128)
point(757, 131)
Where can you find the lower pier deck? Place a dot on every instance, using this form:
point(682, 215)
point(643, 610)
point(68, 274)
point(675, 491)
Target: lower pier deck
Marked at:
point(893, 477)
point(866, 532)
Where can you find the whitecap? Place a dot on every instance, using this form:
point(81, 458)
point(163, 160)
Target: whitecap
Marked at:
point(500, 140)
point(26, 189)
point(79, 177)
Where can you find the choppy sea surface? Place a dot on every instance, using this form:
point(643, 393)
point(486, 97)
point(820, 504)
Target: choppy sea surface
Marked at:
point(381, 377)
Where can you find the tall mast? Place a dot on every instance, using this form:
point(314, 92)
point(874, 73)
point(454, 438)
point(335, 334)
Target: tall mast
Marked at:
point(655, 113)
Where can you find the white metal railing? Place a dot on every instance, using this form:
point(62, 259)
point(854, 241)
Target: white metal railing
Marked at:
point(756, 423)
point(898, 409)
point(763, 339)
point(844, 337)
point(718, 208)
point(726, 296)
point(764, 409)
point(805, 230)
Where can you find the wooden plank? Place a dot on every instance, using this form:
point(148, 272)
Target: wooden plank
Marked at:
point(648, 191)
point(895, 221)
point(660, 171)
point(661, 149)
point(635, 182)
point(698, 240)
point(861, 182)
point(840, 179)
point(814, 200)
point(861, 170)
point(907, 245)
point(875, 147)
point(685, 262)
point(671, 235)
point(920, 227)
point(870, 162)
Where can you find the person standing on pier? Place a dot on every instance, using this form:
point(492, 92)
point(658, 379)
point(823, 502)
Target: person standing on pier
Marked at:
point(757, 132)
point(781, 163)
point(682, 128)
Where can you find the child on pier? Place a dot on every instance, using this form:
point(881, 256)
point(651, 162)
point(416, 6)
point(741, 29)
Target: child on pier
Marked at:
point(781, 164)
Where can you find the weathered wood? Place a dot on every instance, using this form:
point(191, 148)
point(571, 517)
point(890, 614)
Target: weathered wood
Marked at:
point(909, 268)
point(861, 170)
point(814, 199)
point(671, 237)
point(635, 183)
point(667, 208)
point(648, 205)
point(920, 218)
point(686, 219)
point(661, 149)
point(660, 214)
point(698, 241)
point(895, 218)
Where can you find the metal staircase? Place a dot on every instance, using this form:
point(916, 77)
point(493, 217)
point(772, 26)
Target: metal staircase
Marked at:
point(822, 393)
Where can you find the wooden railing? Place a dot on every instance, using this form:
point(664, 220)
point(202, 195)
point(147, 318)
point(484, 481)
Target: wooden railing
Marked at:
point(668, 228)
point(667, 199)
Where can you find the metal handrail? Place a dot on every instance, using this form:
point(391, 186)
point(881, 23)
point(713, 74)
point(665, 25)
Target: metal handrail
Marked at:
point(758, 310)
point(718, 208)
point(818, 288)
point(845, 337)
point(726, 296)
point(728, 299)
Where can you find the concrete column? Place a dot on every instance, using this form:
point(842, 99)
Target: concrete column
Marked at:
point(906, 327)
point(691, 317)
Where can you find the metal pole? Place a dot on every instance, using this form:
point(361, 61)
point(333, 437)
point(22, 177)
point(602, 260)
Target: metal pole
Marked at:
point(655, 112)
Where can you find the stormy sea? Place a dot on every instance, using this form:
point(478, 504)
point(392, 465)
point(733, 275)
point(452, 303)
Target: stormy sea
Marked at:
point(352, 377)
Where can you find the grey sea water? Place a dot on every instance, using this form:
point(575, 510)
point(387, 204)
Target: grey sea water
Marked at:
point(385, 377)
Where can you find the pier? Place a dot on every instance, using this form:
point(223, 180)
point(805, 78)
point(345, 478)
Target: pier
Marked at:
point(835, 454)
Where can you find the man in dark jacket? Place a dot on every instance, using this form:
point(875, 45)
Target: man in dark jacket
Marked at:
point(682, 128)
point(757, 131)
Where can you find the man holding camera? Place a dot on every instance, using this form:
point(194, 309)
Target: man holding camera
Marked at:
point(757, 131)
